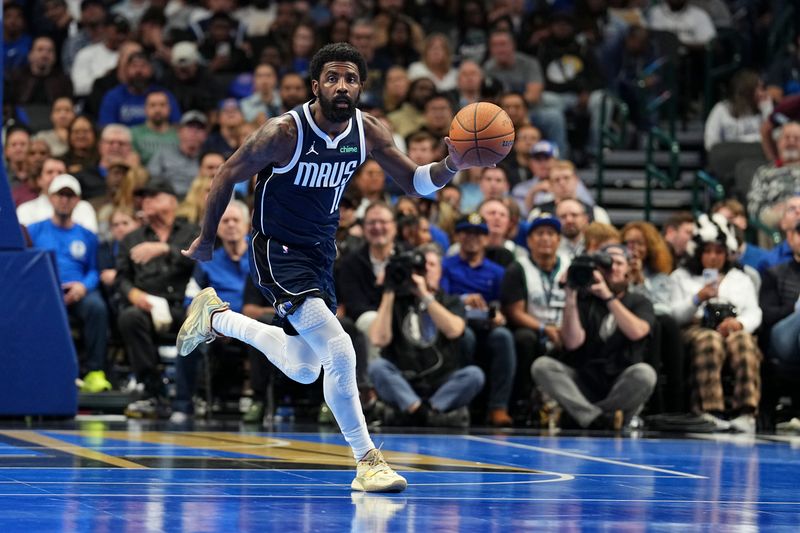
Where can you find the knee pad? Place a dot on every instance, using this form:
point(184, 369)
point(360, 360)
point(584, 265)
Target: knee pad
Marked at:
point(312, 314)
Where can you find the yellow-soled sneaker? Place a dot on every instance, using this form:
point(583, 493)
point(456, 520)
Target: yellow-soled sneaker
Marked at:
point(196, 329)
point(95, 381)
point(374, 475)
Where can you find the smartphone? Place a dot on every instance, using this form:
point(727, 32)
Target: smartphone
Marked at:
point(710, 275)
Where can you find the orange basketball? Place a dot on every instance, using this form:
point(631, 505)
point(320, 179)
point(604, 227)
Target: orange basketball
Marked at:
point(482, 134)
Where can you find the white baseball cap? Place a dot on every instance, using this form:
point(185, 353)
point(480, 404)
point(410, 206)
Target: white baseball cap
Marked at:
point(65, 181)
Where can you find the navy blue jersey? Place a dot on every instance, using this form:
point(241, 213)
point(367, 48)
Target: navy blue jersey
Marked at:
point(299, 203)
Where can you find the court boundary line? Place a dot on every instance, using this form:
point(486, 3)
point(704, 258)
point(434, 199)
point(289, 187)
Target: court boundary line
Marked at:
point(575, 455)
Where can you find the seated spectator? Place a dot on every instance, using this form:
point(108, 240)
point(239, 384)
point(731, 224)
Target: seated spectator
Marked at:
point(42, 208)
point(125, 103)
point(436, 63)
point(180, 165)
point(738, 118)
point(493, 183)
point(536, 189)
point(96, 59)
point(220, 48)
point(476, 280)
point(783, 75)
point(420, 370)
point(121, 222)
point(650, 267)
point(678, 230)
point(151, 277)
point(395, 90)
point(779, 299)
point(62, 114)
point(773, 183)
point(438, 115)
point(360, 274)
point(225, 139)
point(75, 249)
point(16, 39)
point(599, 235)
point(574, 220)
point(719, 306)
point(499, 249)
point(121, 182)
point(370, 182)
point(409, 118)
point(400, 48)
point(87, 30)
point(157, 129)
point(110, 79)
point(565, 184)
point(190, 81)
point(606, 330)
point(193, 207)
point(17, 141)
point(533, 301)
point(81, 145)
point(748, 254)
point(115, 145)
point(41, 81)
point(227, 272)
point(783, 252)
point(27, 190)
point(293, 91)
point(517, 165)
point(264, 102)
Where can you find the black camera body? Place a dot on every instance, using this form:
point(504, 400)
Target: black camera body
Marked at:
point(580, 273)
point(715, 313)
point(399, 270)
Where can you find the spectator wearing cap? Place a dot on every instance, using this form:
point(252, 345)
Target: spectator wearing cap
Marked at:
point(157, 129)
point(536, 189)
point(220, 44)
point(565, 185)
point(606, 333)
point(41, 81)
point(75, 249)
point(718, 305)
point(476, 280)
point(179, 165)
point(225, 139)
point(41, 208)
point(151, 278)
point(533, 301)
point(265, 101)
point(190, 80)
point(95, 60)
point(125, 103)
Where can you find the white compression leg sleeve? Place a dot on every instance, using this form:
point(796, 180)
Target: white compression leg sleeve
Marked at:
point(290, 354)
point(323, 332)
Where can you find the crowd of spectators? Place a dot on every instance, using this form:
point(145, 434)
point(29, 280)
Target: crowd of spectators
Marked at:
point(117, 115)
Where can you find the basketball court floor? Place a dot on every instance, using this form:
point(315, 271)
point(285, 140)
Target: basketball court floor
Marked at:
point(96, 476)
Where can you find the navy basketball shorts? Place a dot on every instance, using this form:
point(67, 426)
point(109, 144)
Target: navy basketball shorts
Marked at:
point(288, 274)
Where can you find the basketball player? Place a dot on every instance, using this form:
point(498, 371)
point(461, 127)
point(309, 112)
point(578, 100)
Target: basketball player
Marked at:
point(304, 159)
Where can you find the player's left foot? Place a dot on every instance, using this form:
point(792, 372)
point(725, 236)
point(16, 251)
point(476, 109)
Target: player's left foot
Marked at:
point(374, 475)
point(196, 329)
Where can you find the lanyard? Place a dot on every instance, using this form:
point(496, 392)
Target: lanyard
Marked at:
point(548, 280)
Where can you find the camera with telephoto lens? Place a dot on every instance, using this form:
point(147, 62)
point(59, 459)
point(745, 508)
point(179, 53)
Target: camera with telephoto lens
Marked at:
point(581, 272)
point(399, 270)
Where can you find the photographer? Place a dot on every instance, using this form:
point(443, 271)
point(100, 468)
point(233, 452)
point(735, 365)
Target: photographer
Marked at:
point(419, 328)
point(719, 304)
point(606, 332)
point(476, 280)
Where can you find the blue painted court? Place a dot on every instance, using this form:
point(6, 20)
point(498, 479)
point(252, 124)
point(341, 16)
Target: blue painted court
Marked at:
point(137, 479)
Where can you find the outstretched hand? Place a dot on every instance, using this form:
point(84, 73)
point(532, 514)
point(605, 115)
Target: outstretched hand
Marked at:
point(456, 161)
point(199, 250)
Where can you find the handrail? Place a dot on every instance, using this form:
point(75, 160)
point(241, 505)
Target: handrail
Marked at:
point(666, 99)
point(607, 133)
point(755, 224)
point(656, 138)
point(711, 185)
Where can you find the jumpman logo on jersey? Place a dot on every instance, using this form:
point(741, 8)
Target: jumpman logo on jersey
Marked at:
point(312, 150)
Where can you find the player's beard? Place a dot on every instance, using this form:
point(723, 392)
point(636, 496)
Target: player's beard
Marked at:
point(336, 114)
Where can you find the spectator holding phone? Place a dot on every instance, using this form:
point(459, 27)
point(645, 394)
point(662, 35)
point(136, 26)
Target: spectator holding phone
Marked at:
point(717, 304)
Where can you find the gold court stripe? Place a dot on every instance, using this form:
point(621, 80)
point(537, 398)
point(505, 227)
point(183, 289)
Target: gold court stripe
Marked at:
point(34, 437)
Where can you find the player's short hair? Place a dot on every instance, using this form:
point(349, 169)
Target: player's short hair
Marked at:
point(337, 52)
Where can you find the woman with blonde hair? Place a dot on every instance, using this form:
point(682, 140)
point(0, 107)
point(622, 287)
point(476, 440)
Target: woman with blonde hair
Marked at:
point(436, 63)
point(193, 206)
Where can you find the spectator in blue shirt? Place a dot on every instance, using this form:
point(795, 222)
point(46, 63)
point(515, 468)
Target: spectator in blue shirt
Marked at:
point(783, 252)
point(477, 281)
point(75, 250)
point(226, 272)
point(124, 104)
point(16, 41)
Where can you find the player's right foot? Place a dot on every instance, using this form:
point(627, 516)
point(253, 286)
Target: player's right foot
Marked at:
point(374, 475)
point(196, 329)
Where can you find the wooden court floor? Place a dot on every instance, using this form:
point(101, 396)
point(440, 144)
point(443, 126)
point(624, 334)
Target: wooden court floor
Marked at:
point(131, 477)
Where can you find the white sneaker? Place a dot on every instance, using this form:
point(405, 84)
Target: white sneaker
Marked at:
point(178, 418)
point(744, 424)
point(374, 475)
point(719, 424)
point(196, 329)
